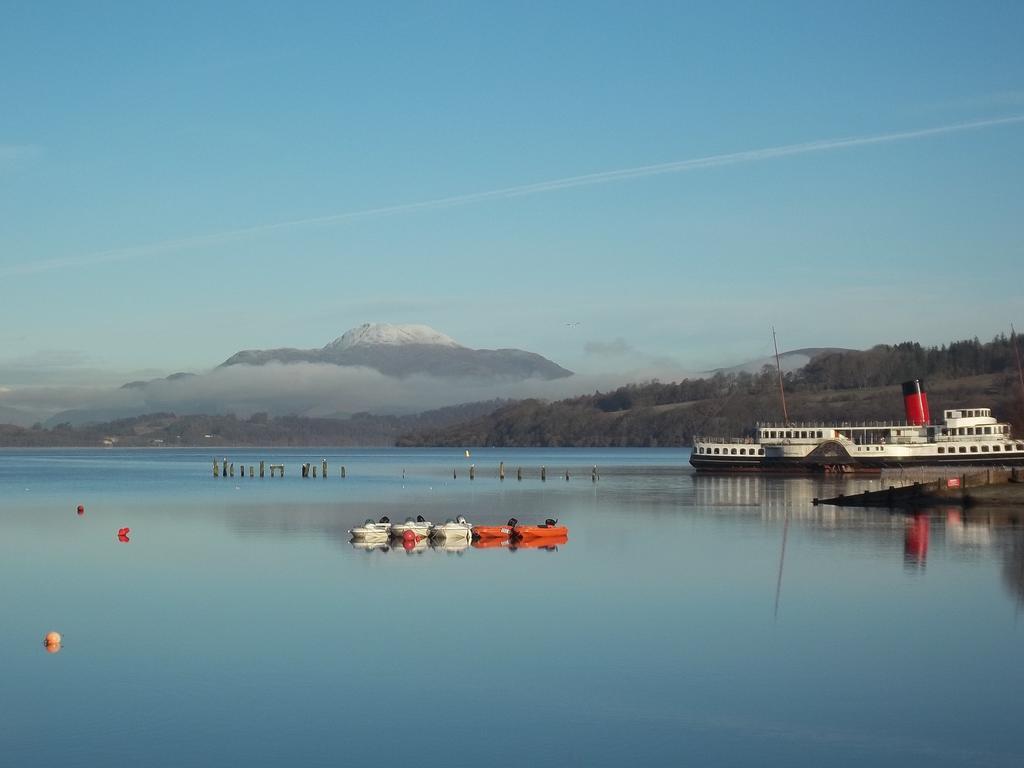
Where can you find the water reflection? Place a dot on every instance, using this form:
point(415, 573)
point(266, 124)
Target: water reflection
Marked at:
point(915, 540)
point(548, 544)
point(1013, 565)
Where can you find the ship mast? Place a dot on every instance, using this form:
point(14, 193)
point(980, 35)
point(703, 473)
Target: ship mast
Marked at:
point(778, 366)
point(1016, 351)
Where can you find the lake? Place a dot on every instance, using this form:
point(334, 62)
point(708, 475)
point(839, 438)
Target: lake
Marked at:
point(688, 619)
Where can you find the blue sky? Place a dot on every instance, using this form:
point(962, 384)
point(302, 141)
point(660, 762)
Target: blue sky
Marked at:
point(146, 150)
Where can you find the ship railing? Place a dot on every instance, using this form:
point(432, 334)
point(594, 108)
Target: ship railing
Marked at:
point(833, 424)
point(724, 440)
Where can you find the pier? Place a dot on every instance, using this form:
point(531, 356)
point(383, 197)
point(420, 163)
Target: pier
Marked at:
point(990, 486)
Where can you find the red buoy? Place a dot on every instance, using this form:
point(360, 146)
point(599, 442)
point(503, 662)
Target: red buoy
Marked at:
point(122, 534)
point(81, 509)
point(409, 536)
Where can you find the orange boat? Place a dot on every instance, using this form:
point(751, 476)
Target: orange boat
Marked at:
point(495, 531)
point(550, 529)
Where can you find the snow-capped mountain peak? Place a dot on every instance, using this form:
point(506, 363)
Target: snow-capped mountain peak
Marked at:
point(372, 334)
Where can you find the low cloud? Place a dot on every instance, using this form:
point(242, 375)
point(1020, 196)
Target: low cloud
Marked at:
point(305, 389)
point(618, 347)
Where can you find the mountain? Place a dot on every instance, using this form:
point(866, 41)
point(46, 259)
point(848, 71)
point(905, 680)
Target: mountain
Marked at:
point(142, 384)
point(790, 361)
point(404, 350)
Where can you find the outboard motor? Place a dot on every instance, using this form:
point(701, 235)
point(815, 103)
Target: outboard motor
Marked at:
point(915, 400)
point(512, 522)
point(460, 519)
point(385, 519)
point(550, 523)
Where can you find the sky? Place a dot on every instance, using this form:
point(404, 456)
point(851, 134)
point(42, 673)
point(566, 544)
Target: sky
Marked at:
point(624, 188)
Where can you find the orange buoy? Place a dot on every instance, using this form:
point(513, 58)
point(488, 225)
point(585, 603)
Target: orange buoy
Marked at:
point(52, 642)
point(81, 509)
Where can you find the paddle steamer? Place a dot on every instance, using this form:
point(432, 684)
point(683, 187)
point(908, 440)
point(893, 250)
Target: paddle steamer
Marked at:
point(966, 436)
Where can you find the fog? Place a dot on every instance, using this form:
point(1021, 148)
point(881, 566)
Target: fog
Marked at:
point(305, 389)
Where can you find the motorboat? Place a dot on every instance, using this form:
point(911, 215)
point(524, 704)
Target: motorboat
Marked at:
point(370, 530)
point(419, 526)
point(548, 530)
point(455, 529)
point(495, 531)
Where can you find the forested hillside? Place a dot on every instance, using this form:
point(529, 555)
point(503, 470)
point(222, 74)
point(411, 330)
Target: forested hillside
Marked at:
point(841, 386)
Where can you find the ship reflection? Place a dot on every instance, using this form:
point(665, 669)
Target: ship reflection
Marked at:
point(915, 541)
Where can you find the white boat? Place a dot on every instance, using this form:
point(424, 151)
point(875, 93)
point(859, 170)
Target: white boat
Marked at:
point(458, 528)
point(419, 526)
point(964, 437)
point(372, 531)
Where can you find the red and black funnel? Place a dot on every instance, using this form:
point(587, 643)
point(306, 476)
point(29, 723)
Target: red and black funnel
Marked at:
point(915, 399)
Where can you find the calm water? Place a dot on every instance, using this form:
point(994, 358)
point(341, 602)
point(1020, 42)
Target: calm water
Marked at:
point(240, 627)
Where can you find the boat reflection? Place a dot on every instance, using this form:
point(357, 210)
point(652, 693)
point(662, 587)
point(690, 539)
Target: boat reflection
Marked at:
point(915, 540)
point(370, 546)
point(457, 546)
point(490, 543)
point(549, 543)
point(411, 547)
point(961, 531)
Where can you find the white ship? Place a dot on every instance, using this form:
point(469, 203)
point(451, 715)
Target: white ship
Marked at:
point(966, 436)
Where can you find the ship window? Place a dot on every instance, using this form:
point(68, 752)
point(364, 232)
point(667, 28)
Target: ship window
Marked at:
point(988, 430)
point(945, 431)
point(974, 449)
point(760, 451)
point(962, 449)
point(996, 448)
point(733, 451)
point(1020, 447)
point(984, 449)
point(789, 433)
point(716, 450)
point(743, 451)
point(804, 433)
point(941, 449)
point(820, 434)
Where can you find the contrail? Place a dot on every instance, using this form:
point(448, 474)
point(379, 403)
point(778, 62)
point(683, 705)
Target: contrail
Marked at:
point(568, 182)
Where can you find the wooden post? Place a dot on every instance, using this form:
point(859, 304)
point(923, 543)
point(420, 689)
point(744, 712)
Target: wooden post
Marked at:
point(216, 467)
point(543, 474)
point(224, 469)
point(567, 475)
point(593, 474)
point(314, 470)
point(323, 464)
point(519, 473)
point(251, 470)
point(472, 471)
point(261, 468)
point(455, 474)
point(501, 470)
point(232, 469)
point(343, 470)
